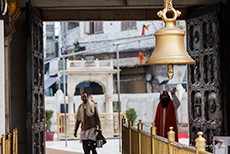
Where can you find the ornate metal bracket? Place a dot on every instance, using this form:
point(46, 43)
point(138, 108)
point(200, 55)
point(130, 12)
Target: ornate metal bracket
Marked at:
point(14, 10)
point(168, 7)
point(3, 7)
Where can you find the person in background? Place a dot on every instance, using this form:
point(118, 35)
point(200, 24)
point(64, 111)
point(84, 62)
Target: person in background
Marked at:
point(166, 116)
point(88, 116)
point(90, 97)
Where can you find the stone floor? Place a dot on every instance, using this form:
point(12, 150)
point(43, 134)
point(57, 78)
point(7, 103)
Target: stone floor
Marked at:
point(53, 151)
point(111, 147)
point(75, 147)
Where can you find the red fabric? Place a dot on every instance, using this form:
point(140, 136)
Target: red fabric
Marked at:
point(182, 136)
point(170, 120)
point(143, 31)
point(147, 27)
point(141, 57)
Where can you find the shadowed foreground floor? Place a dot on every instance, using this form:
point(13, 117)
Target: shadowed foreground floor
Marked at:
point(53, 151)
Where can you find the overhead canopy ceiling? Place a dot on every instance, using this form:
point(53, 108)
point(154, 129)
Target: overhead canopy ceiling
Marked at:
point(62, 10)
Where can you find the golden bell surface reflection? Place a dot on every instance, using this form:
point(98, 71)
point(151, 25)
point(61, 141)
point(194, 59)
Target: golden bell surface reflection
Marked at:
point(169, 46)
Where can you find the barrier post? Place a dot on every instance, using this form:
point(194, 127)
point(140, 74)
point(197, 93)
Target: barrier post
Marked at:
point(153, 131)
point(16, 140)
point(171, 138)
point(3, 140)
point(58, 135)
point(123, 135)
point(8, 143)
point(140, 127)
point(130, 138)
point(200, 142)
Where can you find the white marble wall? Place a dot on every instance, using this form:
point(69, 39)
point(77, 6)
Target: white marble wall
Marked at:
point(145, 105)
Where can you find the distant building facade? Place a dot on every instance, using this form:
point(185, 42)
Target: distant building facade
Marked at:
point(134, 78)
point(51, 50)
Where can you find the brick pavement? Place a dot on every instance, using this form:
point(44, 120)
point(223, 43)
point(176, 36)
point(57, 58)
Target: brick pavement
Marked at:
point(53, 151)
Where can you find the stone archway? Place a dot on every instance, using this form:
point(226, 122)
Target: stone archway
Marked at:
point(100, 71)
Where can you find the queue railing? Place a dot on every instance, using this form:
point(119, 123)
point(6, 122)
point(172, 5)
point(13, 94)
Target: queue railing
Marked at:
point(9, 143)
point(109, 124)
point(137, 141)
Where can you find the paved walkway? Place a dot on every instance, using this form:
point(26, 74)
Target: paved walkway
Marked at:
point(111, 147)
point(74, 146)
point(53, 151)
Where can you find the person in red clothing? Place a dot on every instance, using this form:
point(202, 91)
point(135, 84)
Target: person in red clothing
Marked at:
point(165, 116)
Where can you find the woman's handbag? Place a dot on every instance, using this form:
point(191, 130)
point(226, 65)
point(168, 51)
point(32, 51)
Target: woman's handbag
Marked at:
point(100, 140)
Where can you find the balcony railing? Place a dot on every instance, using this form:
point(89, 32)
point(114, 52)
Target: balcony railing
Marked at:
point(96, 64)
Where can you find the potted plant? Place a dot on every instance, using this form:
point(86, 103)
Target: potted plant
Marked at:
point(48, 116)
point(131, 114)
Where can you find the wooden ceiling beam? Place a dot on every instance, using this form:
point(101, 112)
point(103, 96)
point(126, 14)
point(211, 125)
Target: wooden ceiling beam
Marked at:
point(105, 15)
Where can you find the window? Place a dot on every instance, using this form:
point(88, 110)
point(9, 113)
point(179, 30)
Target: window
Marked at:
point(72, 25)
point(50, 28)
point(49, 37)
point(93, 27)
point(126, 25)
point(133, 24)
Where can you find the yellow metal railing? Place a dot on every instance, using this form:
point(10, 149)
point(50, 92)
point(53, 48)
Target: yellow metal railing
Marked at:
point(9, 143)
point(109, 124)
point(138, 141)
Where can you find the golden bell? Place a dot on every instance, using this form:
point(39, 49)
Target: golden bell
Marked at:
point(169, 46)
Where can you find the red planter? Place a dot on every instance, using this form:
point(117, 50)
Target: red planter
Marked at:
point(49, 136)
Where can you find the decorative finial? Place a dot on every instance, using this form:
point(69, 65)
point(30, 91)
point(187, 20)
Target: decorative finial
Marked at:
point(14, 10)
point(171, 134)
point(58, 80)
point(200, 142)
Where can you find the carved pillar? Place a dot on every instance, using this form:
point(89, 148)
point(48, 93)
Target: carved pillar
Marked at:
point(2, 80)
point(204, 77)
point(109, 94)
point(71, 89)
point(109, 103)
point(70, 106)
point(59, 98)
point(7, 54)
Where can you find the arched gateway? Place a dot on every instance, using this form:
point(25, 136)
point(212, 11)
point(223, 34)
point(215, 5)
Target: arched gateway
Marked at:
point(100, 71)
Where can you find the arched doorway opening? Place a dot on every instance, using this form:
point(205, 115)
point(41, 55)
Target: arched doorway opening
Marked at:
point(89, 87)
